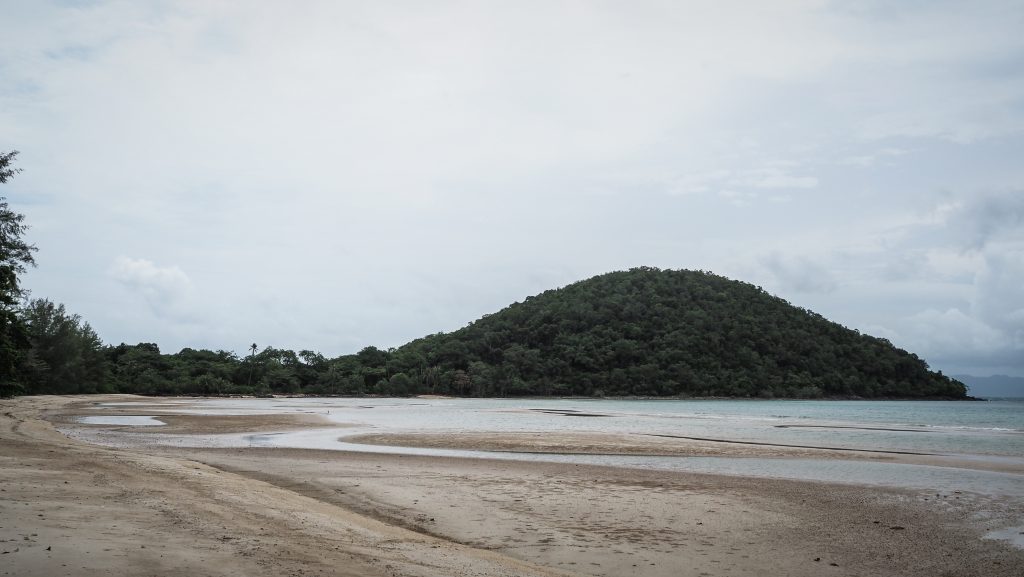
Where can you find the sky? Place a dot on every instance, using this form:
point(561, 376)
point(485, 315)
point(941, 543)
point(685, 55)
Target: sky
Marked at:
point(329, 175)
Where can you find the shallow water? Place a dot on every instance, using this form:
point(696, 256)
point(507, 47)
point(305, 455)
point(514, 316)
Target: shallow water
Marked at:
point(1013, 535)
point(944, 480)
point(960, 428)
point(985, 431)
point(134, 420)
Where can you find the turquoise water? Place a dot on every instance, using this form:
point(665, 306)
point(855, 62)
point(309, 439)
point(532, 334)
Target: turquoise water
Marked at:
point(993, 428)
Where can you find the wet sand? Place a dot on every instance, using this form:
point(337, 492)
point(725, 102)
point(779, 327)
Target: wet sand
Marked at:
point(606, 444)
point(167, 511)
point(664, 446)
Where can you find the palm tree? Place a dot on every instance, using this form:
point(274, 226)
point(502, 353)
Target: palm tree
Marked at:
point(252, 358)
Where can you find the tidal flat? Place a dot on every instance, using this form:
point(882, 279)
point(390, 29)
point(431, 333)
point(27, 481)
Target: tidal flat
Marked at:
point(507, 487)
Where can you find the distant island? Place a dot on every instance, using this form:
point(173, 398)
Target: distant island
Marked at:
point(644, 332)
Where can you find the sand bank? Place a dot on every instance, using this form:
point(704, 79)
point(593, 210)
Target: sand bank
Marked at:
point(165, 511)
point(601, 444)
point(663, 446)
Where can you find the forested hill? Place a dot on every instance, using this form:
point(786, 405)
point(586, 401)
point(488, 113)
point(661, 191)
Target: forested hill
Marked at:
point(644, 332)
point(657, 332)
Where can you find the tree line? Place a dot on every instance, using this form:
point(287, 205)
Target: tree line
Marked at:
point(642, 332)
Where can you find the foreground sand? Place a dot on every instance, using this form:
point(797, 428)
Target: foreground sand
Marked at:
point(69, 508)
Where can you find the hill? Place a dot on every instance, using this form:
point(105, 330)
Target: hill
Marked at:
point(653, 332)
point(642, 332)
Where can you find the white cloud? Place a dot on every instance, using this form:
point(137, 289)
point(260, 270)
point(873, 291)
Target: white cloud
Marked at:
point(869, 160)
point(737, 198)
point(163, 288)
point(740, 187)
point(775, 178)
point(696, 183)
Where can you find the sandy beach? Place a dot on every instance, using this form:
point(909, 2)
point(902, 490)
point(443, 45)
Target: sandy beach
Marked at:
point(72, 508)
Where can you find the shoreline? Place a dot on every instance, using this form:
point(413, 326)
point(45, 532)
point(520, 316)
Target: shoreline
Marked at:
point(582, 441)
point(571, 398)
point(265, 511)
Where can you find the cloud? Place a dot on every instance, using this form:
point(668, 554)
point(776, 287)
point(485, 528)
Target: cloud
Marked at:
point(164, 288)
point(799, 274)
point(699, 182)
point(973, 246)
point(999, 293)
point(775, 178)
point(869, 160)
point(740, 187)
point(989, 331)
point(989, 216)
point(952, 334)
point(737, 198)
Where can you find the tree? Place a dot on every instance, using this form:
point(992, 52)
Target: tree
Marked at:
point(15, 256)
point(66, 355)
point(6, 170)
point(252, 357)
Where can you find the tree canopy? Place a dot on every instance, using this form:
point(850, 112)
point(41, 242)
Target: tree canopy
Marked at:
point(651, 332)
point(15, 256)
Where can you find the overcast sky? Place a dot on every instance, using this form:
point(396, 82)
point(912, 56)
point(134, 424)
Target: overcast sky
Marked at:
point(331, 175)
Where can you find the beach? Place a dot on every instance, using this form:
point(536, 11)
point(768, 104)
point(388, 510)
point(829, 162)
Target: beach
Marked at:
point(130, 506)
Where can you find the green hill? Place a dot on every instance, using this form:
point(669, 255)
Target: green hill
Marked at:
point(657, 332)
point(643, 332)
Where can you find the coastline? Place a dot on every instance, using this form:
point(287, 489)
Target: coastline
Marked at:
point(576, 398)
point(266, 511)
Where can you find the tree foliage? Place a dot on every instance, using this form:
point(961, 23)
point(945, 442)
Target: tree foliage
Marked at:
point(650, 332)
point(66, 354)
point(15, 256)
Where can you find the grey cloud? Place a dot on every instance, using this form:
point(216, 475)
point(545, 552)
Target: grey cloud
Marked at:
point(904, 266)
point(799, 274)
point(991, 215)
point(999, 297)
point(956, 337)
point(984, 319)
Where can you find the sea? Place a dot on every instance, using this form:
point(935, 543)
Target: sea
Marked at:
point(988, 433)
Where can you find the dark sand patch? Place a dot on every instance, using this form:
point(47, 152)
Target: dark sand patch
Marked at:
point(595, 444)
point(568, 413)
point(852, 427)
point(763, 444)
